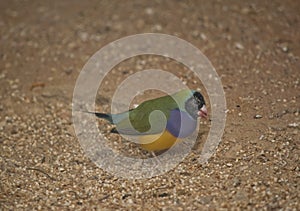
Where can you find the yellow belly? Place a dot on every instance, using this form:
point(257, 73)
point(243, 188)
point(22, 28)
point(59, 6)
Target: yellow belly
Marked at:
point(158, 142)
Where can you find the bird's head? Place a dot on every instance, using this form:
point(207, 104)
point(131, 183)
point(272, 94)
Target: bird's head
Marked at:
point(195, 106)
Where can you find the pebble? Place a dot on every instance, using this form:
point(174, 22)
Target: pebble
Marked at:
point(149, 11)
point(293, 124)
point(239, 46)
point(83, 36)
point(285, 48)
point(236, 182)
point(203, 36)
point(157, 27)
point(257, 116)
point(68, 71)
point(15, 86)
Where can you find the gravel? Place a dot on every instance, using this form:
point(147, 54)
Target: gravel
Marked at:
point(254, 46)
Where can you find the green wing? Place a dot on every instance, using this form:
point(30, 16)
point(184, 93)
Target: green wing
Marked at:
point(139, 117)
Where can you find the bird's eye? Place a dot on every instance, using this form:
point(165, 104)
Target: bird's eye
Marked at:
point(197, 100)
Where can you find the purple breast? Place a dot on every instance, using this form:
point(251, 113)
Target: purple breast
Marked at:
point(180, 124)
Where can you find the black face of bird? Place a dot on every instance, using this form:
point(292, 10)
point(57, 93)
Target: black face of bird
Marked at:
point(199, 100)
point(195, 106)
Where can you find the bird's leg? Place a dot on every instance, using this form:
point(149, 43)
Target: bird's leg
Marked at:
point(155, 157)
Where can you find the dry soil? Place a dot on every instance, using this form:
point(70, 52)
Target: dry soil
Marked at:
point(255, 48)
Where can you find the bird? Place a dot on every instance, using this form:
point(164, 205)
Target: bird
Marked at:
point(180, 110)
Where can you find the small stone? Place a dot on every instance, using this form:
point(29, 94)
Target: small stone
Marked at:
point(203, 36)
point(83, 36)
point(229, 164)
point(157, 27)
point(149, 11)
point(236, 182)
point(195, 33)
point(15, 86)
point(293, 124)
point(284, 48)
point(245, 10)
point(68, 71)
point(61, 169)
point(257, 116)
point(47, 94)
point(239, 46)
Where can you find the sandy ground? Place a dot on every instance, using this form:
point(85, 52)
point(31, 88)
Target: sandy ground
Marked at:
point(255, 48)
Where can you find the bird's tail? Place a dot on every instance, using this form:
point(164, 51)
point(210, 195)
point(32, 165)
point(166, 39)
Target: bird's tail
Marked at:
point(104, 116)
point(107, 117)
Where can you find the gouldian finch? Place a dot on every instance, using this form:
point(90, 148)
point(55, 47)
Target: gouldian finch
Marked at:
point(181, 111)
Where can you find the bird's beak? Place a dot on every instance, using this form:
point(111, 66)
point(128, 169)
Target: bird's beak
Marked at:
point(203, 112)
